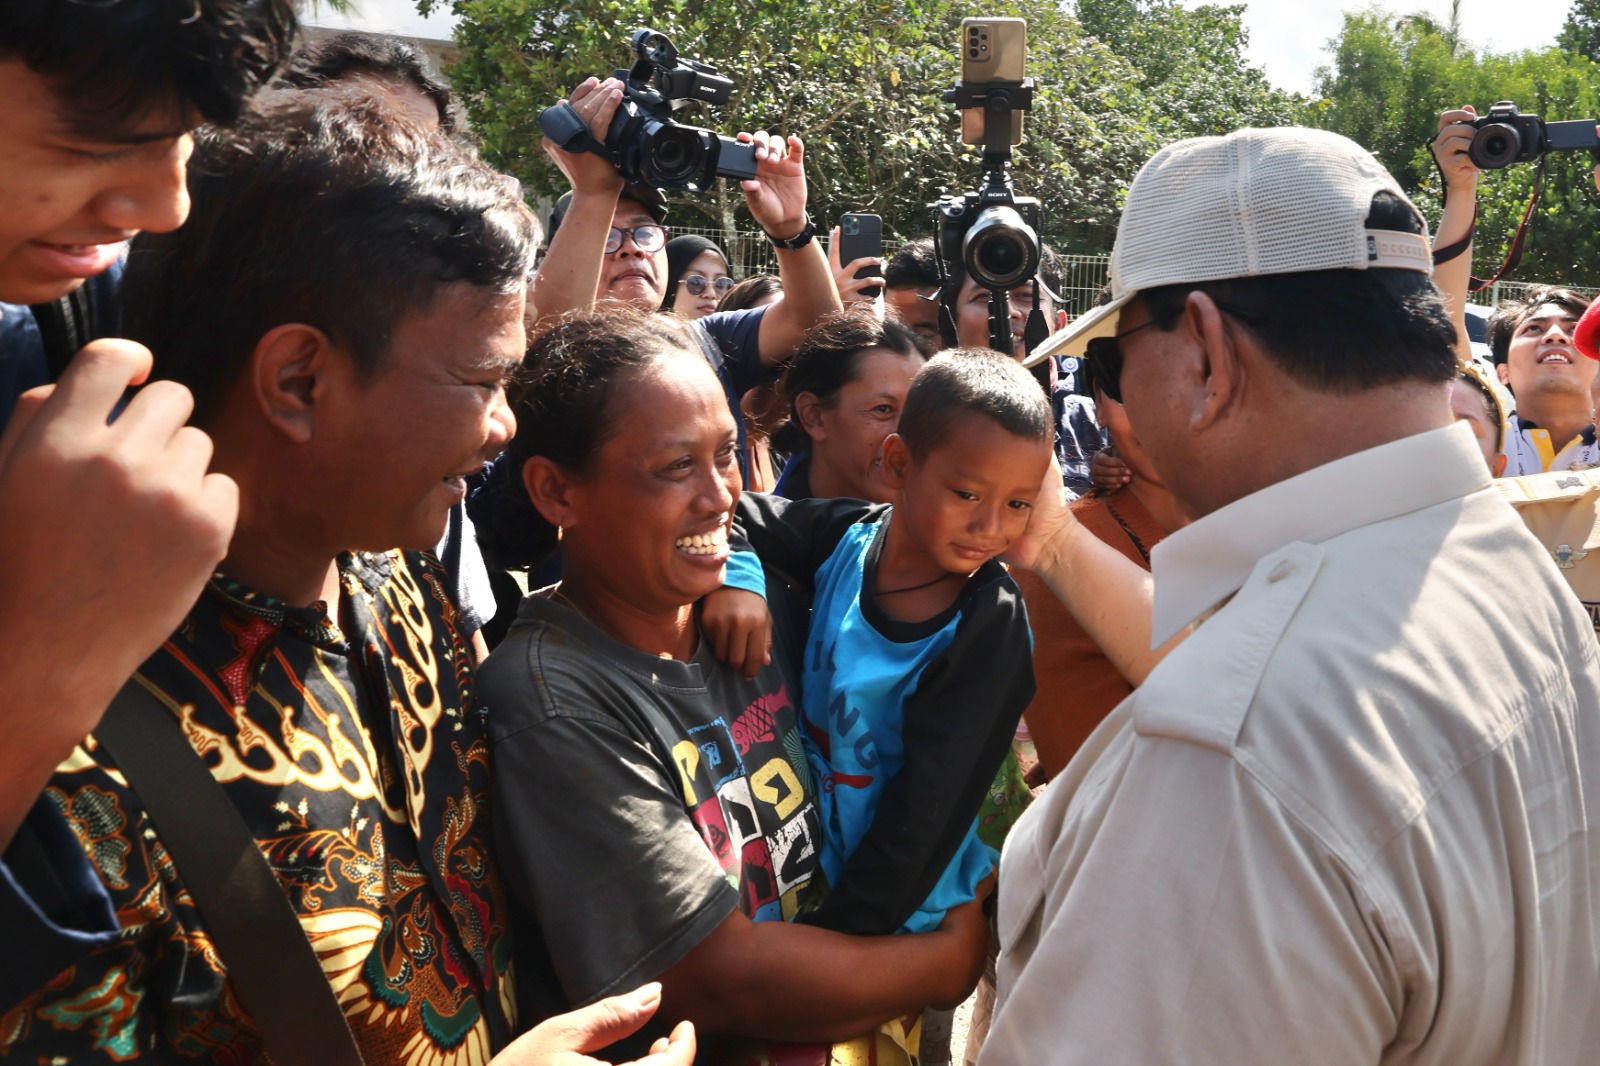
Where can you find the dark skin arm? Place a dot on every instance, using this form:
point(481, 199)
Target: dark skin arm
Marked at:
point(789, 982)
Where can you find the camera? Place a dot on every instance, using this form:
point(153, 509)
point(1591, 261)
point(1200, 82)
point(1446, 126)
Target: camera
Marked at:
point(643, 142)
point(996, 232)
point(1506, 137)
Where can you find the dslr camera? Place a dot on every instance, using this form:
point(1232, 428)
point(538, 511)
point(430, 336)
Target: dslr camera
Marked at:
point(995, 231)
point(1506, 137)
point(643, 142)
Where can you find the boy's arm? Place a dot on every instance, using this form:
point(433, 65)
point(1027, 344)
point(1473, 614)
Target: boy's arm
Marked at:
point(959, 722)
point(796, 536)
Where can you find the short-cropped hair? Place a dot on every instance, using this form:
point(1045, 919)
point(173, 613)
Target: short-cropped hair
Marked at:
point(112, 63)
point(322, 208)
point(914, 266)
point(972, 381)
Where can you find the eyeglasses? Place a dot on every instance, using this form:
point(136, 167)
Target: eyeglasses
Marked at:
point(698, 283)
point(1104, 354)
point(648, 238)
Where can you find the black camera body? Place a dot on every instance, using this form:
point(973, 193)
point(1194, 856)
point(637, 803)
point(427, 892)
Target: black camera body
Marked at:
point(993, 233)
point(643, 142)
point(1507, 137)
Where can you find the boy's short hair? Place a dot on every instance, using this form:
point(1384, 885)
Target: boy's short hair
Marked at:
point(111, 63)
point(323, 208)
point(972, 381)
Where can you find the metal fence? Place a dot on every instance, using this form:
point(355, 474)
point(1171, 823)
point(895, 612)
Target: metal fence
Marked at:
point(1083, 276)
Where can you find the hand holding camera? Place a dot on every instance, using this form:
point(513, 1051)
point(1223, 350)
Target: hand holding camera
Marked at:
point(595, 103)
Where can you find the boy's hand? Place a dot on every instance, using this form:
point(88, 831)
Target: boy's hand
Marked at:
point(1107, 472)
point(566, 1039)
point(739, 627)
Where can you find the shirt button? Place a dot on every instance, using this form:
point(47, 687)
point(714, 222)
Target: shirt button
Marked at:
point(1281, 571)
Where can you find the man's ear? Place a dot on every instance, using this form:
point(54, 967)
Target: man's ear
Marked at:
point(1061, 320)
point(551, 490)
point(810, 411)
point(1215, 374)
point(284, 376)
point(1504, 374)
point(896, 463)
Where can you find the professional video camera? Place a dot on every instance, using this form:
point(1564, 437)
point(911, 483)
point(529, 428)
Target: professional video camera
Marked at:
point(643, 142)
point(1506, 136)
point(993, 233)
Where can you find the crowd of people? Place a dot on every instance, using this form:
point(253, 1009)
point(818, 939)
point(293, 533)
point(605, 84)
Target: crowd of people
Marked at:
point(438, 634)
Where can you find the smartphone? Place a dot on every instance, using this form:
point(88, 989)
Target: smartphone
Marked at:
point(861, 236)
point(991, 50)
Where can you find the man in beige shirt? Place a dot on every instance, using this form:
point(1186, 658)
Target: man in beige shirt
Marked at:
point(1345, 821)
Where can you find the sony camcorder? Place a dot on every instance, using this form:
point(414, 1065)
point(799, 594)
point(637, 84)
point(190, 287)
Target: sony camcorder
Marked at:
point(643, 142)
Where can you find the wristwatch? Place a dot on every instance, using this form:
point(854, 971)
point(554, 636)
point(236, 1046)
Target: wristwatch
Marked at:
point(799, 240)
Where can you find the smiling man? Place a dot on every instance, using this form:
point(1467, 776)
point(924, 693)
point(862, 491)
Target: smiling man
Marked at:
point(1553, 426)
point(1346, 820)
point(346, 307)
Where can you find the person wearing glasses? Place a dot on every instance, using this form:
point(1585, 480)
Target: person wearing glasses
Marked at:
point(1351, 811)
point(611, 245)
point(697, 277)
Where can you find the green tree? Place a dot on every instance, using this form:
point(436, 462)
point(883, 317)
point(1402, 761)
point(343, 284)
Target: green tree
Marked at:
point(1389, 80)
point(1581, 33)
point(862, 82)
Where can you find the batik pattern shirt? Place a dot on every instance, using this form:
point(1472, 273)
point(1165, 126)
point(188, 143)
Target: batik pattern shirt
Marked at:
point(352, 750)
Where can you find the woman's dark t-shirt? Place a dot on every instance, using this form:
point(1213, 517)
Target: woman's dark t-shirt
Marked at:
point(638, 801)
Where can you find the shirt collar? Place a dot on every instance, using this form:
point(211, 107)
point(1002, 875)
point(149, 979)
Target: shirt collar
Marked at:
point(1202, 564)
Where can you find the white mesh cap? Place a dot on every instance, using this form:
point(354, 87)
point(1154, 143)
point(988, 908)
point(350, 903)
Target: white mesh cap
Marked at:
point(1258, 201)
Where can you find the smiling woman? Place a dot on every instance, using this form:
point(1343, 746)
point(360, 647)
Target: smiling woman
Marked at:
point(655, 815)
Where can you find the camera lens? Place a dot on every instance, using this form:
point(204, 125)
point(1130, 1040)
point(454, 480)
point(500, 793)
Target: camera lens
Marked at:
point(1495, 146)
point(1001, 250)
point(675, 156)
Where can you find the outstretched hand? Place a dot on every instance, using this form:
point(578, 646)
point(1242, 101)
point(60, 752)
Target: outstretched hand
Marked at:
point(568, 1039)
point(777, 194)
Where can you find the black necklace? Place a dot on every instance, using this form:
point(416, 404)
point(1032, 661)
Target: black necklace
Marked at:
point(913, 588)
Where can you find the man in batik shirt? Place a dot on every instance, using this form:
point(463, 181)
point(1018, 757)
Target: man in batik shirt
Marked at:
point(346, 305)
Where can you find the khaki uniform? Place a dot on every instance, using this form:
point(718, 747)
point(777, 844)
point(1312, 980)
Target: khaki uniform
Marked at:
point(1562, 509)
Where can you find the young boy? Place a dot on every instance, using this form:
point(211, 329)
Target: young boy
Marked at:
point(918, 663)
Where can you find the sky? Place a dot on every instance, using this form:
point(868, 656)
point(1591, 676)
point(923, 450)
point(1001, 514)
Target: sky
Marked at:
point(1286, 36)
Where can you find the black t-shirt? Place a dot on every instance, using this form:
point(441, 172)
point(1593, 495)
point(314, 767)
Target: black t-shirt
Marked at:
point(637, 802)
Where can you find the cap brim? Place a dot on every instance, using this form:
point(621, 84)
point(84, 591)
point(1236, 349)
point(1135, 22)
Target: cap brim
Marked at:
point(1097, 322)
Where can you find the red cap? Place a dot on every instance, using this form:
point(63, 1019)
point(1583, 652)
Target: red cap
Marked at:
point(1587, 336)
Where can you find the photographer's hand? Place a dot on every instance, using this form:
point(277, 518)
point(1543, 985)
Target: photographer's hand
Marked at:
point(1460, 211)
point(845, 280)
point(1450, 149)
point(777, 200)
point(569, 278)
point(777, 194)
point(596, 103)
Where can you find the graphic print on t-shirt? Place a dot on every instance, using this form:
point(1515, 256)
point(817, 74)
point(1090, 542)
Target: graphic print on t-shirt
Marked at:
point(743, 786)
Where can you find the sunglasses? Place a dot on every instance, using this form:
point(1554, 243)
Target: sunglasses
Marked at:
point(646, 238)
point(1104, 354)
point(699, 283)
